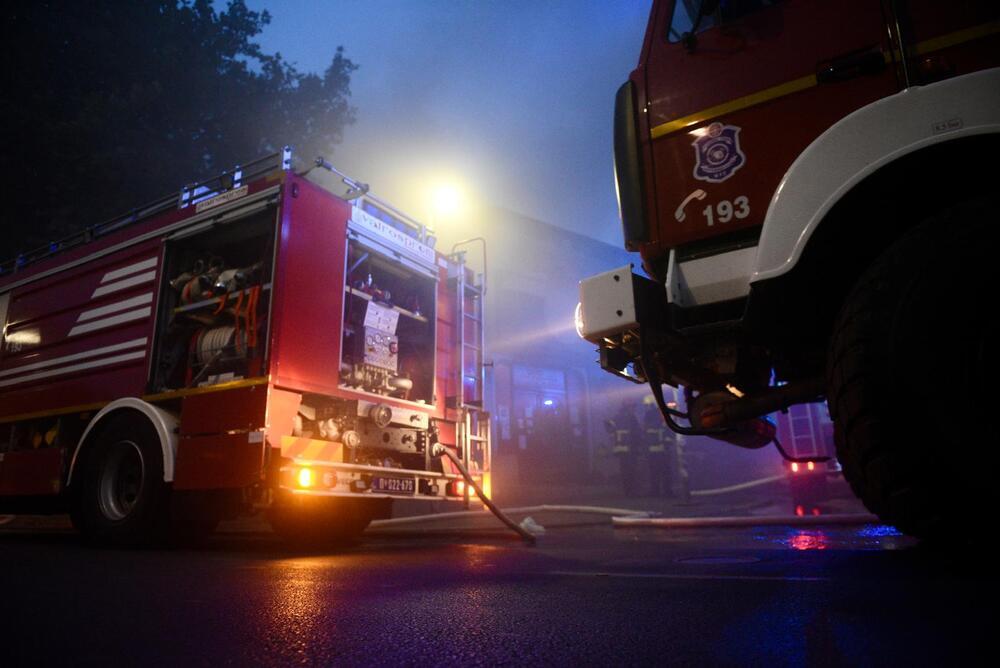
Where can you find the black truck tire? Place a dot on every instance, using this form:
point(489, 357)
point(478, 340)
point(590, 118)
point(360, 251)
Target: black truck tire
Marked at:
point(119, 496)
point(910, 358)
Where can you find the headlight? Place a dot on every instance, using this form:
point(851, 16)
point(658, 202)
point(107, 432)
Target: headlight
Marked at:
point(578, 319)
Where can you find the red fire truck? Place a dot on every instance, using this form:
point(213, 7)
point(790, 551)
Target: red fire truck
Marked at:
point(254, 342)
point(810, 185)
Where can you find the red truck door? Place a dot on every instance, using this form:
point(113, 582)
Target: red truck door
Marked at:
point(946, 39)
point(728, 112)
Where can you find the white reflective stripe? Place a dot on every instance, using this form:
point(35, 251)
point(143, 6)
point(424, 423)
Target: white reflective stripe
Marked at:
point(113, 320)
point(130, 269)
point(117, 306)
point(121, 285)
point(134, 343)
point(139, 354)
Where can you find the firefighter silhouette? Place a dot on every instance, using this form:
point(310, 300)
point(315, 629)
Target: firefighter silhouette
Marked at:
point(627, 435)
point(660, 449)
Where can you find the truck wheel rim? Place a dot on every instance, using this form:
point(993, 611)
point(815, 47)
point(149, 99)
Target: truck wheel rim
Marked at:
point(121, 481)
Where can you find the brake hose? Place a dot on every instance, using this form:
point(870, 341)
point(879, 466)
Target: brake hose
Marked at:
point(656, 385)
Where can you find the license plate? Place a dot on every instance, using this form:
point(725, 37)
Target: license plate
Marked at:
point(391, 485)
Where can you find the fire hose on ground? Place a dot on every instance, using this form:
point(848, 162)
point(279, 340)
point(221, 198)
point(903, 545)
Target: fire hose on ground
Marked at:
point(623, 517)
point(525, 535)
point(739, 487)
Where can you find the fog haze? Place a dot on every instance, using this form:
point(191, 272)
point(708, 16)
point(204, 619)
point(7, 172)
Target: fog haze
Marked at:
point(514, 98)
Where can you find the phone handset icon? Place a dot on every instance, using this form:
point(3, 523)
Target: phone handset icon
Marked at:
point(697, 194)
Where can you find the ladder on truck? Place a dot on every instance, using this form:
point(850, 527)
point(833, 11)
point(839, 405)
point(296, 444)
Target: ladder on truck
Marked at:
point(803, 428)
point(473, 426)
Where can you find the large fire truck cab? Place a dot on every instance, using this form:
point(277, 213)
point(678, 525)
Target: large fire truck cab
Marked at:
point(254, 342)
point(809, 185)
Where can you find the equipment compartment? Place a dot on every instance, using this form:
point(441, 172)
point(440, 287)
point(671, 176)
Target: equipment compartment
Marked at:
point(389, 316)
point(212, 321)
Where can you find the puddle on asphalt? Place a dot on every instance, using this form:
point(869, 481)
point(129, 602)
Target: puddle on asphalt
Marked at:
point(875, 537)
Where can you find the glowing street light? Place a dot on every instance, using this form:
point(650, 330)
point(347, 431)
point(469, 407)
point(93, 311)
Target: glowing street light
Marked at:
point(447, 200)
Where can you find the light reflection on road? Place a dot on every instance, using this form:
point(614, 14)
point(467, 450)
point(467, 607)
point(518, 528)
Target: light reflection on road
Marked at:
point(870, 537)
point(809, 540)
point(299, 596)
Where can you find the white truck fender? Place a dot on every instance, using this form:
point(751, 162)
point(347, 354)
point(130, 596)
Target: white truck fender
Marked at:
point(164, 422)
point(858, 145)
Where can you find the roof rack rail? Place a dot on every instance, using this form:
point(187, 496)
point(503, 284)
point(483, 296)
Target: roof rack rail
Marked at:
point(363, 198)
point(189, 194)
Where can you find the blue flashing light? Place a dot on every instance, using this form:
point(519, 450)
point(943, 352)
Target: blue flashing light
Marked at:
point(879, 531)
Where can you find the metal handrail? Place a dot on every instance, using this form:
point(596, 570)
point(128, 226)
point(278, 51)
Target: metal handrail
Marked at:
point(362, 192)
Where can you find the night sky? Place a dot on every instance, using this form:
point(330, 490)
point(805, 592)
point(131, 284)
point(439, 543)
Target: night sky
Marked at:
point(513, 99)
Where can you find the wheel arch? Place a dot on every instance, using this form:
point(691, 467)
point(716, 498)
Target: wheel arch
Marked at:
point(864, 144)
point(164, 423)
point(856, 230)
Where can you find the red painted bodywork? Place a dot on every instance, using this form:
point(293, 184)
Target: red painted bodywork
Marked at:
point(215, 412)
point(309, 276)
point(445, 376)
point(218, 461)
point(306, 336)
point(48, 309)
point(31, 472)
point(282, 406)
point(215, 449)
point(51, 305)
point(775, 45)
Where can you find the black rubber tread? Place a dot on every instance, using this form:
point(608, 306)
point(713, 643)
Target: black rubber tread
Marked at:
point(147, 523)
point(907, 399)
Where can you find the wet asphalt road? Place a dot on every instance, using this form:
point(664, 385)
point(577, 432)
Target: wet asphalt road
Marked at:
point(586, 595)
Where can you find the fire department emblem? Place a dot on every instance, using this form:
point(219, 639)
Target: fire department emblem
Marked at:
point(717, 153)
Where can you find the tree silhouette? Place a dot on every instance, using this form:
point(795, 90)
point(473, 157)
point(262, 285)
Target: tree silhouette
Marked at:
point(110, 104)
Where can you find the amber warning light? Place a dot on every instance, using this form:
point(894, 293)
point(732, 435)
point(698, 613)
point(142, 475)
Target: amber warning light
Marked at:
point(306, 478)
